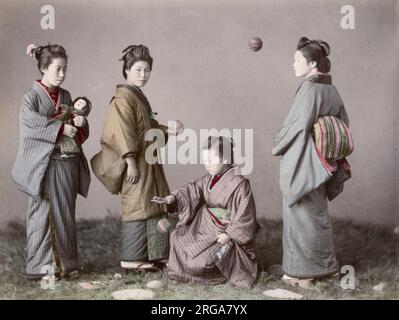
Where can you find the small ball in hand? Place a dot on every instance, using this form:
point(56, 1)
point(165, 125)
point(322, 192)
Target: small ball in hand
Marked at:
point(173, 125)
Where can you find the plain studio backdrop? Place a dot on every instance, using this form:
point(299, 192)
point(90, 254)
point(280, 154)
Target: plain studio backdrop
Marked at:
point(205, 75)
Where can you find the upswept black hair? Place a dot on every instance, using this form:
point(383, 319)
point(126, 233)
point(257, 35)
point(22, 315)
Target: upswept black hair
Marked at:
point(132, 54)
point(315, 50)
point(44, 55)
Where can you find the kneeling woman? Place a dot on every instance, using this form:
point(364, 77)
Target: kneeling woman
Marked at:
point(214, 237)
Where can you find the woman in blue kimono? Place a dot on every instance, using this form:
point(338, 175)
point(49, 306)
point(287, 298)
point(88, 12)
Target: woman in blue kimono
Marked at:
point(306, 179)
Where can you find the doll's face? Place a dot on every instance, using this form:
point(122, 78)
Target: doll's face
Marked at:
point(80, 104)
point(301, 67)
point(212, 162)
point(54, 74)
point(138, 74)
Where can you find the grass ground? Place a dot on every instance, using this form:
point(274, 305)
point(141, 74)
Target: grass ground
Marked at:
point(373, 251)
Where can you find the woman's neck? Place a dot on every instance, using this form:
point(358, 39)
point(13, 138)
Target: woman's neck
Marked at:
point(132, 85)
point(49, 87)
point(312, 73)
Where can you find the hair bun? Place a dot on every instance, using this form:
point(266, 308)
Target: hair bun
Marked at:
point(303, 41)
point(325, 48)
point(136, 49)
point(126, 51)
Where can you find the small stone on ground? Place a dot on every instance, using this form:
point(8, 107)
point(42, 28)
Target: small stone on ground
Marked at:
point(133, 294)
point(379, 287)
point(282, 294)
point(154, 284)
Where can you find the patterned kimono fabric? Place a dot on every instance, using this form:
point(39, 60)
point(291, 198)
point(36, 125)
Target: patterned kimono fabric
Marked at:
point(305, 181)
point(195, 254)
point(51, 182)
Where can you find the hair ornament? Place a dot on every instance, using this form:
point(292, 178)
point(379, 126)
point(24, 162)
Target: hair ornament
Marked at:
point(30, 49)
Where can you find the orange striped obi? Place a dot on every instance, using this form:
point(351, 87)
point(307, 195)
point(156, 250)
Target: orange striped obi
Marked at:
point(333, 139)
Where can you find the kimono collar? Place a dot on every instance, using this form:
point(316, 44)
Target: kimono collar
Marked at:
point(52, 92)
point(323, 78)
point(229, 174)
point(217, 177)
point(41, 90)
point(136, 91)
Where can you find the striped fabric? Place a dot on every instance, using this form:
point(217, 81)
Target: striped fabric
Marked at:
point(194, 254)
point(51, 183)
point(332, 138)
point(50, 220)
point(37, 137)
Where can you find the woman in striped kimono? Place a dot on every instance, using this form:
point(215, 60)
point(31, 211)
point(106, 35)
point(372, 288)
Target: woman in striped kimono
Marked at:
point(52, 182)
point(306, 178)
point(214, 238)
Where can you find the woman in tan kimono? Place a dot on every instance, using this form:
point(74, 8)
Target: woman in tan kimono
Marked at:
point(306, 180)
point(122, 167)
point(214, 238)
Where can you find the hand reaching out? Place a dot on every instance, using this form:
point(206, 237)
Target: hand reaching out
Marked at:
point(170, 199)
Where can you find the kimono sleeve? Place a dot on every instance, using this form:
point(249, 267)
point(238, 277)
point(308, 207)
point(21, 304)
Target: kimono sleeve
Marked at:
point(163, 128)
point(38, 134)
point(189, 198)
point(34, 125)
point(299, 121)
point(242, 224)
point(83, 133)
point(123, 122)
point(301, 169)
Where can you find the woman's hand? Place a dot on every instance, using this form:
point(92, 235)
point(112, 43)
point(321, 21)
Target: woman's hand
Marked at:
point(170, 199)
point(223, 238)
point(79, 121)
point(179, 126)
point(69, 130)
point(133, 173)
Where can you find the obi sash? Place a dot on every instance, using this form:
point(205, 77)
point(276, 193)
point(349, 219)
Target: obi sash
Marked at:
point(220, 216)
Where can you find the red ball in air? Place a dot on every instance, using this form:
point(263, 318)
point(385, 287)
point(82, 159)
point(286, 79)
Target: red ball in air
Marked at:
point(255, 44)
